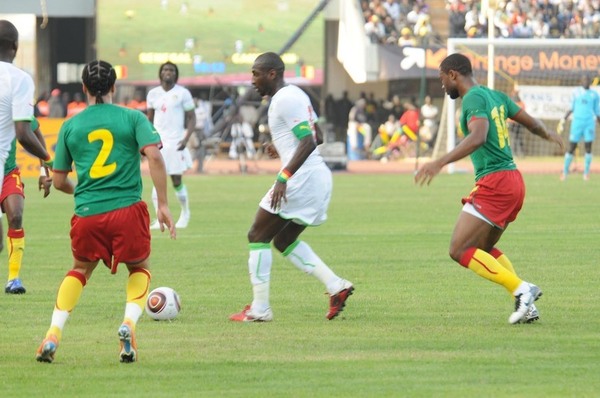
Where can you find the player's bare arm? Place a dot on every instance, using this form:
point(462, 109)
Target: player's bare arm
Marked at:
point(158, 174)
point(190, 125)
point(29, 141)
point(538, 128)
point(61, 182)
point(478, 128)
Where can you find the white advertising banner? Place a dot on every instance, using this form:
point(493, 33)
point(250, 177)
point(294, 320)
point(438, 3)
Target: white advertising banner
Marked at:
point(548, 102)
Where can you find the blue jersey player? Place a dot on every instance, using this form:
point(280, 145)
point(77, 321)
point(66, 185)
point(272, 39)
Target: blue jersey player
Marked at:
point(585, 110)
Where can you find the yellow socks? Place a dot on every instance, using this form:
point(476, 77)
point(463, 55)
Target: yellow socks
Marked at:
point(486, 266)
point(138, 285)
point(16, 244)
point(503, 260)
point(68, 296)
point(70, 291)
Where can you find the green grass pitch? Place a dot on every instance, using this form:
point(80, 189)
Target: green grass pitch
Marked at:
point(418, 324)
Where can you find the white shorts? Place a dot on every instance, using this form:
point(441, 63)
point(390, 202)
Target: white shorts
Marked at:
point(176, 162)
point(308, 194)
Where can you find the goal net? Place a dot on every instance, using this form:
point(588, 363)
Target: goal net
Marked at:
point(541, 74)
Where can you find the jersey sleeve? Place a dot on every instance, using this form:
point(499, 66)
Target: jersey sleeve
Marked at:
point(188, 101)
point(512, 108)
point(62, 157)
point(145, 133)
point(474, 106)
point(150, 100)
point(23, 93)
point(295, 116)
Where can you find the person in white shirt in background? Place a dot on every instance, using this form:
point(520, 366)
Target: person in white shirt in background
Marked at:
point(171, 110)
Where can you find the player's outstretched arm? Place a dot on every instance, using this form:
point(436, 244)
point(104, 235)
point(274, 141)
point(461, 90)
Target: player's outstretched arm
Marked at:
point(538, 128)
point(158, 174)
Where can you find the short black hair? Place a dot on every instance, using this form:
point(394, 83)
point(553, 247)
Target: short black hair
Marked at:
point(457, 62)
point(99, 77)
point(170, 64)
point(9, 35)
point(270, 60)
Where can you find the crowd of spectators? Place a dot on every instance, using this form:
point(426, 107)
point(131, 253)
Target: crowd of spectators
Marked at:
point(398, 22)
point(407, 22)
point(527, 19)
point(382, 128)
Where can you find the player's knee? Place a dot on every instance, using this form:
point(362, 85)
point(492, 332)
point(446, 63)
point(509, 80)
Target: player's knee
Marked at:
point(456, 253)
point(253, 235)
point(16, 221)
point(281, 244)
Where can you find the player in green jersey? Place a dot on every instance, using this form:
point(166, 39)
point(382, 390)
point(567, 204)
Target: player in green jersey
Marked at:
point(499, 189)
point(111, 222)
point(12, 202)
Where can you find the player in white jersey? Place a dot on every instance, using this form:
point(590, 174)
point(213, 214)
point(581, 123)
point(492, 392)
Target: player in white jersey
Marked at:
point(16, 115)
point(171, 110)
point(298, 198)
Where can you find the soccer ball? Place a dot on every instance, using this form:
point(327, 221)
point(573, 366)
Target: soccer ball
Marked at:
point(163, 304)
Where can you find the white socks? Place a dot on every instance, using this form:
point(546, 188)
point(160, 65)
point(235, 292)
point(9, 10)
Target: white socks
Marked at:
point(259, 267)
point(303, 257)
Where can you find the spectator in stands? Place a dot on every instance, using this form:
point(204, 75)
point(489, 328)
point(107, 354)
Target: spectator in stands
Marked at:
point(397, 108)
point(429, 113)
point(393, 10)
point(76, 106)
point(359, 130)
point(342, 109)
point(375, 29)
point(55, 104)
point(410, 120)
point(406, 38)
point(42, 109)
point(456, 8)
point(138, 102)
point(391, 33)
point(386, 132)
point(65, 98)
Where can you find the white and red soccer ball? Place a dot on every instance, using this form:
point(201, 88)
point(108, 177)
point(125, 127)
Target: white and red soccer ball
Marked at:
point(163, 304)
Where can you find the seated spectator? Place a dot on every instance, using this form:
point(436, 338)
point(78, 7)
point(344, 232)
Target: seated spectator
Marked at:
point(375, 29)
point(406, 38)
point(386, 132)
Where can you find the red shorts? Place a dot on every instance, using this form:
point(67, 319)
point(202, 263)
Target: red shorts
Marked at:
point(12, 185)
point(498, 196)
point(119, 236)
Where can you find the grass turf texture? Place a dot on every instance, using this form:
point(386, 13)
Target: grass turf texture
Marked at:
point(418, 324)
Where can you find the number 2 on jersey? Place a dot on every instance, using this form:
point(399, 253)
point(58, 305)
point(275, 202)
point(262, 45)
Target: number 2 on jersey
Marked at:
point(100, 169)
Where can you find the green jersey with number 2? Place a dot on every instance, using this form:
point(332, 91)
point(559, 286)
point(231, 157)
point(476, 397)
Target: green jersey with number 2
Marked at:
point(104, 144)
